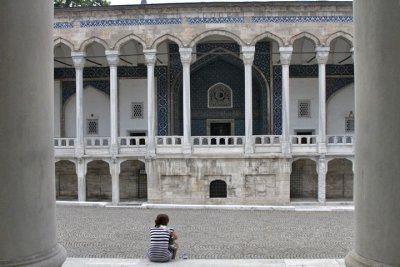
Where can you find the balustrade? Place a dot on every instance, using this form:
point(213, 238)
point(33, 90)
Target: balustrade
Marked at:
point(340, 139)
point(97, 142)
point(64, 142)
point(303, 139)
point(132, 141)
point(169, 140)
point(267, 139)
point(218, 140)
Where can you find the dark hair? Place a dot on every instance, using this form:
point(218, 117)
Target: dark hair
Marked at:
point(162, 219)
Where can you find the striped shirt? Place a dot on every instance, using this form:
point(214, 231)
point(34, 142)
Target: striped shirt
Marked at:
point(159, 241)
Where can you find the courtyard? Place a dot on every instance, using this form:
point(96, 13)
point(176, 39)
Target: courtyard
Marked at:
point(123, 232)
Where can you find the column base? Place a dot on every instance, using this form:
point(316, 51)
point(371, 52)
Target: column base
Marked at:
point(354, 260)
point(54, 257)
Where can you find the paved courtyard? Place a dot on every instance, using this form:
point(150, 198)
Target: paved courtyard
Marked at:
point(109, 232)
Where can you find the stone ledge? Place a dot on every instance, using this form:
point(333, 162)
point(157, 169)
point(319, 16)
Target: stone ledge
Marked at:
point(85, 262)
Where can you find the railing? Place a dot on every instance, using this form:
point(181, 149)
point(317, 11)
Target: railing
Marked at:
point(217, 140)
point(267, 143)
point(132, 141)
point(169, 140)
point(303, 139)
point(64, 142)
point(267, 139)
point(99, 142)
point(340, 140)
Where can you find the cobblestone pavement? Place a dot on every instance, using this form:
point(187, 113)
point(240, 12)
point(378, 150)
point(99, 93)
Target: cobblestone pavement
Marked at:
point(98, 232)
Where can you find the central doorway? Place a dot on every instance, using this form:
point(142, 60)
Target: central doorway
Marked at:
point(220, 127)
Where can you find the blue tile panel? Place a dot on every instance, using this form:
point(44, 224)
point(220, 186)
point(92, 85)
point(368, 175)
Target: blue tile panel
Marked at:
point(63, 25)
point(130, 22)
point(68, 87)
point(216, 64)
point(302, 19)
point(215, 20)
point(277, 99)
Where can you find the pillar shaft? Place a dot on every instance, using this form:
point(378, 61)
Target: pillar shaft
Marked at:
point(248, 58)
point(27, 183)
point(377, 168)
point(322, 58)
point(150, 57)
point(112, 58)
point(79, 63)
point(285, 57)
point(322, 169)
point(186, 58)
point(115, 170)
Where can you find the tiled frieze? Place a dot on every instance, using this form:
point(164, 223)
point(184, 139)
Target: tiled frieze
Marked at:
point(277, 99)
point(129, 22)
point(215, 20)
point(302, 19)
point(63, 25)
point(68, 87)
point(203, 20)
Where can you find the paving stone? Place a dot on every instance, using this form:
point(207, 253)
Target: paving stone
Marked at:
point(103, 232)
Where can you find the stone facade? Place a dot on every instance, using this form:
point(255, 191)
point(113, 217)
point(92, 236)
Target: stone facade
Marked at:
point(247, 138)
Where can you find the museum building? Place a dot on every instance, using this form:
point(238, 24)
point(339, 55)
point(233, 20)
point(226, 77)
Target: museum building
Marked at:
point(205, 103)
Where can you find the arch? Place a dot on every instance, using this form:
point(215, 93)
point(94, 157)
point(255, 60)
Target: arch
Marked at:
point(132, 180)
point(165, 37)
point(216, 32)
point(304, 179)
point(93, 40)
point(269, 36)
point(66, 180)
point(339, 179)
point(308, 35)
point(340, 34)
point(126, 39)
point(218, 189)
point(60, 40)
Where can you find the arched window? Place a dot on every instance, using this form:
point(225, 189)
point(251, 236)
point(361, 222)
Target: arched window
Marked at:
point(219, 96)
point(218, 189)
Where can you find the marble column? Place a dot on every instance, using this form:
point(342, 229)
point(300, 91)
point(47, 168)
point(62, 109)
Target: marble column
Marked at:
point(150, 57)
point(377, 127)
point(115, 170)
point(186, 58)
point(322, 169)
point(285, 57)
point(81, 174)
point(113, 59)
point(79, 62)
point(248, 58)
point(322, 58)
point(27, 184)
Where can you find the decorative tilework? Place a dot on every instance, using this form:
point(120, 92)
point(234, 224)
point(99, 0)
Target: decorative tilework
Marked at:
point(208, 70)
point(346, 69)
point(63, 25)
point(68, 87)
point(130, 22)
point(303, 71)
point(215, 20)
point(335, 84)
point(277, 99)
point(301, 19)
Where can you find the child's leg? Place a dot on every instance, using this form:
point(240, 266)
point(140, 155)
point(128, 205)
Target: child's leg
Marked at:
point(174, 250)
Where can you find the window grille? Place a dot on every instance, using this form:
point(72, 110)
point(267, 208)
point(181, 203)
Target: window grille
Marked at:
point(92, 126)
point(349, 124)
point(304, 108)
point(219, 96)
point(137, 110)
point(218, 189)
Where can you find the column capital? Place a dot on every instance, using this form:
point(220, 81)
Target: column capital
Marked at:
point(150, 55)
point(285, 54)
point(112, 57)
point(79, 59)
point(248, 54)
point(186, 55)
point(322, 54)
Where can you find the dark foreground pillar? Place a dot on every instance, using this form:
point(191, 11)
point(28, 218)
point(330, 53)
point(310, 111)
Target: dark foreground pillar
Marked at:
point(377, 165)
point(27, 191)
